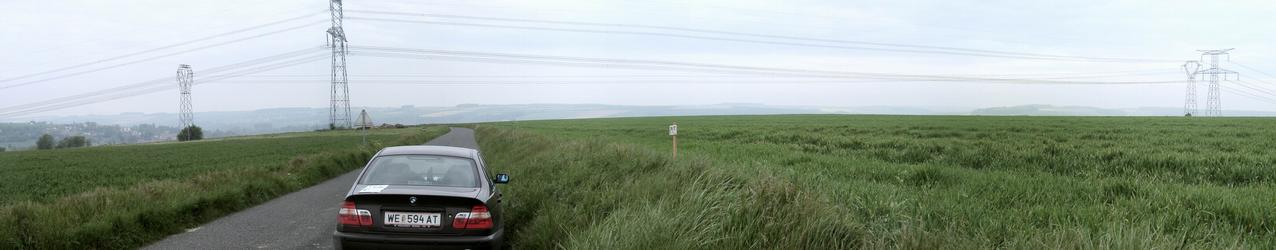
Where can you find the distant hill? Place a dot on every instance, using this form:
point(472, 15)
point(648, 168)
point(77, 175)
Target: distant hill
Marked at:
point(304, 119)
point(108, 128)
point(128, 127)
point(1050, 110)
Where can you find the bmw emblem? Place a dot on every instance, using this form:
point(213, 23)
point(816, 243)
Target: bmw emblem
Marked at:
point(412, 200)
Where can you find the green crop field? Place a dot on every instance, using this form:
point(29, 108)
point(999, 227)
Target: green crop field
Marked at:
point(831, 181)
point(128, 195)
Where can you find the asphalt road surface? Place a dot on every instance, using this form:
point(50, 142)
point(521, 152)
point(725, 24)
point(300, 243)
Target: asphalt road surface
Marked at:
point(300, 220)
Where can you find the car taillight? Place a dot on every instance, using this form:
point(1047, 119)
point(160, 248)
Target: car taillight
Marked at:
point(350, 216)
point(477, 218)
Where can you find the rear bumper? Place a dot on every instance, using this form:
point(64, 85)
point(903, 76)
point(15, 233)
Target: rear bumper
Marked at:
point(346, 240)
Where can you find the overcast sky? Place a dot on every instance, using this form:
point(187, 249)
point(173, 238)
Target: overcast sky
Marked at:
point(42, 35)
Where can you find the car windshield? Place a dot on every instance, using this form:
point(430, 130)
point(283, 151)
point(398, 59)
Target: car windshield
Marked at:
point(421, 170)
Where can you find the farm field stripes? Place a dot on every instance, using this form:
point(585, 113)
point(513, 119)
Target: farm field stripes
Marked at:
point(898, 181)
point(1229, 151)
point(125, 196)
point(42, 175)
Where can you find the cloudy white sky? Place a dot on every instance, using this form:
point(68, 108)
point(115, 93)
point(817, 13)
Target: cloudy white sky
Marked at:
point(44, 35)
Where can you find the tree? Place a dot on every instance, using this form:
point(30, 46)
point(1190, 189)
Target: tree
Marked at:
point(191, 133)
point(45, 142)
point(2, 149)
point(78, 141)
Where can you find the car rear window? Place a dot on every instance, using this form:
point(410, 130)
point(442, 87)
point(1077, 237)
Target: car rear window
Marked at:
point(421, 170)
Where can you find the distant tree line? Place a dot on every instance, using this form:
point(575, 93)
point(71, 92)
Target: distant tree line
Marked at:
point(46, 142)
point(74, 142)
point(192, 133)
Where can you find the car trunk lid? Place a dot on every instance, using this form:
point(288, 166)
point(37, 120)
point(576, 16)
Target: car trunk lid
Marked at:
point(415, 209)
point(462, 192)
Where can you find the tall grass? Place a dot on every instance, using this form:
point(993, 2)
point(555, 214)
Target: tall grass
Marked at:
point(897, 181)
point(111, 217)
point(597, 195)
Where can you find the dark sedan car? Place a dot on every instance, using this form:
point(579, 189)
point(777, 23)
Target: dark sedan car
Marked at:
point(417, 197)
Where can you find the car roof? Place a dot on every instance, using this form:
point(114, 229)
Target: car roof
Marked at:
point(430, 150)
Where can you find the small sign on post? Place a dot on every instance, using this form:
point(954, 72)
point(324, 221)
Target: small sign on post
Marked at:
point(364, 123)
point(673, 131)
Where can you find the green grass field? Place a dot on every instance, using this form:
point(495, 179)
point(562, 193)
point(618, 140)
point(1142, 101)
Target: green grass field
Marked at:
point(125, 196)
point(828, 181)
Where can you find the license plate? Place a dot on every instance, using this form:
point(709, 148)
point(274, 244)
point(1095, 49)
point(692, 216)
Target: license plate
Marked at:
point(400, 219)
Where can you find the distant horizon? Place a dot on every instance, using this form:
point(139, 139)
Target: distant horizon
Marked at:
point(295, 119)
point(938, 110)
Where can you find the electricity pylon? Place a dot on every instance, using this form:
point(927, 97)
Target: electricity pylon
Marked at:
point(1214, 103)
point(339, 113)
point(1189, 103)
point(185, 77)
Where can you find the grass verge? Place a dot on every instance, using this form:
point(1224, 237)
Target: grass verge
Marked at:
point(589, 194)
point(890, 182)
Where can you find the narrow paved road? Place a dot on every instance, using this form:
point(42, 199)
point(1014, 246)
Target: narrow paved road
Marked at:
point(300, 220)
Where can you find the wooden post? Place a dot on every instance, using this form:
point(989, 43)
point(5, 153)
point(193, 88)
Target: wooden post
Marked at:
point(673, 131)
point(365, 123)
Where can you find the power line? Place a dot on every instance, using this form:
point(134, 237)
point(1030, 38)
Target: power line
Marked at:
point(634, 82)
point(1255, 87)
point(908, 48)
point(159, 48)
point(666, 67)
point(558, 82)
point(831, 24)
point(152, 89)
point(315, 76)
point(151, 86)
point(695, 37)
point(708, 31)
point(1043, 75)
point(694, 67)
point(115, 95)
point(1083, 75)
point(1247, 94)
point(827, 76)
point(721, 39)
point(163, 80)
point(218, 13)
point(273, 32)
point(837, 19)
point(1253, 69)
point(623, 76)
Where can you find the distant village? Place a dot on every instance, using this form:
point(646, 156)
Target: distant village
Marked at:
point(23, 136)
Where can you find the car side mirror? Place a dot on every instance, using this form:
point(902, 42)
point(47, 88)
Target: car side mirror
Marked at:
point(502, 178)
